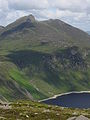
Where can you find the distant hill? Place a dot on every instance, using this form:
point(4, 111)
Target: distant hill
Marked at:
point(39, 59)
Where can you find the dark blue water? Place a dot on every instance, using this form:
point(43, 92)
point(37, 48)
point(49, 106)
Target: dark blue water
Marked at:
point(72, 100)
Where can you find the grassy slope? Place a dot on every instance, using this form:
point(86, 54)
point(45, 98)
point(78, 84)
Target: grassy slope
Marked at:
point(15, 85)
point(24, 82)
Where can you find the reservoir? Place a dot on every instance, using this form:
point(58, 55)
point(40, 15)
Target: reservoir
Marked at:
point(71, 100)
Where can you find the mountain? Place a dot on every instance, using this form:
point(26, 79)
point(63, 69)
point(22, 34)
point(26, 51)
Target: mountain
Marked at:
point(51, 32)
point(39, 59)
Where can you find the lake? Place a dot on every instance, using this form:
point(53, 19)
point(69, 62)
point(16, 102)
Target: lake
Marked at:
point(71, 100)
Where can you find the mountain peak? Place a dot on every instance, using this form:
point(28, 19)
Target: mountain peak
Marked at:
point(31, 18)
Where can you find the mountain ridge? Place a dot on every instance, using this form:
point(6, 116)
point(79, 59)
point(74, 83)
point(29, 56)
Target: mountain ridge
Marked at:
point(54, 31)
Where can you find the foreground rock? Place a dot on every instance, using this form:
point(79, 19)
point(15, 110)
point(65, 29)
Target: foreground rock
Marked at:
point(79, 118)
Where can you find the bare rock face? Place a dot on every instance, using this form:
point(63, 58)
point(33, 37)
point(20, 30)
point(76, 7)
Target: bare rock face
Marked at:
point(1, 28)
point(31, 18)
point(81, 117)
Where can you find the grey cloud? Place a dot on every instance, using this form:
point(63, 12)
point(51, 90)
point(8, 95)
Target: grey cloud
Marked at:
point(28, 4)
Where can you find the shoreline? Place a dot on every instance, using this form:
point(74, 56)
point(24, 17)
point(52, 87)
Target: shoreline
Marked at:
point(67, 93)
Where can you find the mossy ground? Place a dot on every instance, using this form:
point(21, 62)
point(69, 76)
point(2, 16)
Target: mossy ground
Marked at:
point(28, 110)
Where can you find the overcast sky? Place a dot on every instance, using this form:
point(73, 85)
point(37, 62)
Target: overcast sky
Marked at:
point(74, 12)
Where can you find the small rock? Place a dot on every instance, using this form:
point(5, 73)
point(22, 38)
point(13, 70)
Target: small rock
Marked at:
point(81, 117)
point(72, 118)
point(75, 113)
point(62, 108)
point(2, 118)
point(36, 113)
point(57, 114)
point(46, 111)
point(27, 116)
point(20, 114)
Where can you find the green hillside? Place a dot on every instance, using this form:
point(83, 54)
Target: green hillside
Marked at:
point(39, 59)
